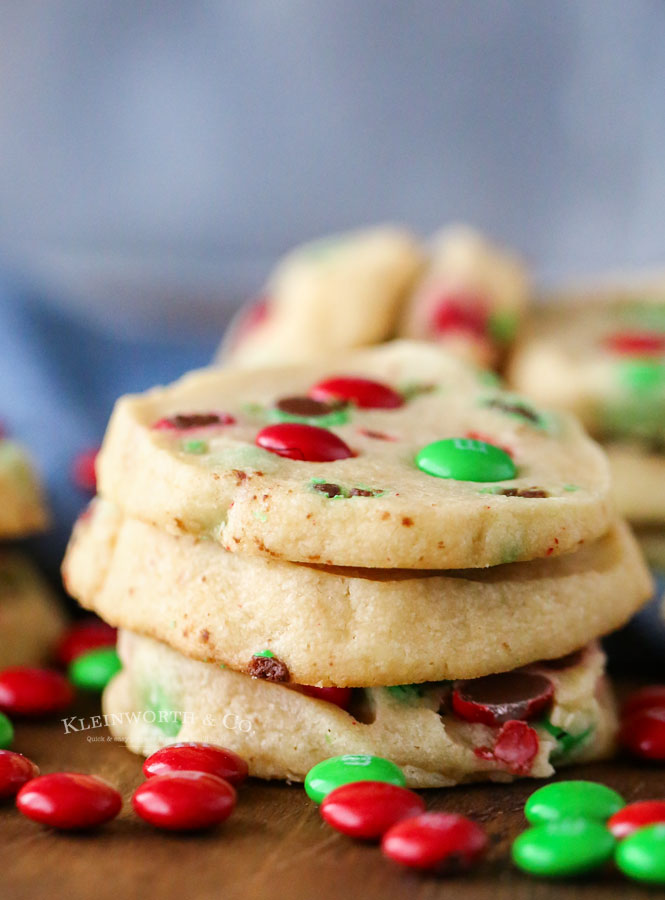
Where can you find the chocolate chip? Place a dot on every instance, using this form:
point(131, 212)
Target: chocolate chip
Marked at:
point(269, 668)
point(523, 492)
point(515, 409)
point(305, 406)
point(500, 698)
point(361, 492)
point(196, 420)
point(330, 490)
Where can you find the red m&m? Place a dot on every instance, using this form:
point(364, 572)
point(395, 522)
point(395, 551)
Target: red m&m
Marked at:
point(82, 637)
point(339, 696)
point(197, 757)
point(636, 815)
point(25, 691)
point(440, 842)
point(304, 442)
point(83, 470)
point(15, 770)
point(648, 697)
point(643, 733)
point(69, 800)
point(367, 809)
point(459, 312)
point(184, 801)
point(500, 698)
point(361, 392)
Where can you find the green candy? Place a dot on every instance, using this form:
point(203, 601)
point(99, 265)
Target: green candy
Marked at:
point(572, 800)
point(642, 375)
point(156, 702)
point(566, 743)
point(503, 326)
point(6, 732)
point(642, 855)
point(92, 671)
point(335, 417)
point(339, 770)
point(266, 654)
point(465, 460)
point(561, 849)
point(197, 447)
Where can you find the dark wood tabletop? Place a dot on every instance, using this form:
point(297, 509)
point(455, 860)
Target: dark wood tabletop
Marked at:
point(275, 844)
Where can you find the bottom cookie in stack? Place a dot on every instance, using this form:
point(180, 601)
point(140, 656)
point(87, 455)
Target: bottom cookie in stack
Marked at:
point(289, 664)
point(438, 733)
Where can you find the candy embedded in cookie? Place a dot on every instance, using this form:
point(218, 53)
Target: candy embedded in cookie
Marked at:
point(246, 480)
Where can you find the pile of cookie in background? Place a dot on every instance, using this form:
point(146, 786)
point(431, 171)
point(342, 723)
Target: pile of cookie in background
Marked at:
point(31, 620)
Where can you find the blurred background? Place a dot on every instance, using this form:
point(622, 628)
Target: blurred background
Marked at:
point(157, 158)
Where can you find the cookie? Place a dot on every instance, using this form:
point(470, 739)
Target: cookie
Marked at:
point(30, 619)
point(600, 355)
point(349, 626)
point(398, 456)
point(161, 696)
point(327, 296)
point(22, 509)
point(471, 298)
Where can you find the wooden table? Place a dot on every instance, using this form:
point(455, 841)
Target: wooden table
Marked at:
point(275, 846)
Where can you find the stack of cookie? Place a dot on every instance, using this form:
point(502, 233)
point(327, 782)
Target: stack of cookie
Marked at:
point(30, 620)
point(389, 555)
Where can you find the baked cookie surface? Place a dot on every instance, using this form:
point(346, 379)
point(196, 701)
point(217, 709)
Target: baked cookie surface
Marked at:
point(22, 509)
point(349, 627)
point(398, 456)
point(161, 696)
point(30, 619)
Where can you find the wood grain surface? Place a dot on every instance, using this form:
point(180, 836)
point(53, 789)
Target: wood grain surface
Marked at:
point(274, 846)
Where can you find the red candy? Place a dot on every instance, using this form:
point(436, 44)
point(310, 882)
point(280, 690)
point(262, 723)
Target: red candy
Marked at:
point(636, 815)
point(367, 809)
point(439, 842)
point(361, 392)
point(250, 319)
point(636, 343)
point(25, 691)
point(81, 638)
point(195, 757)
point(460, 313)
point(15, 770)
point(305, 442)
point(646, 698)
point(191, 421)
point(495, 699)
point(516, 747)
point(643, 733)
point(339, 696)
point(83, 470)
point(69, 800)
point(184, 801)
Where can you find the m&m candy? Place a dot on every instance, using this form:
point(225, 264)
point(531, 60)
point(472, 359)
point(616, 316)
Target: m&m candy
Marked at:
point(635, 816)
point(439, 842)
point(15, 770)
point(503, 697)
point(6, 731)
point(367, 809)
point(197, 757)
point(93, 670)
point(465, 459)
point(69, 800)
point(184, 801)
point(308, 443)
point(25, 691)
point(558, 849)
point(361, 392)
point(642, 855)
point(82, 637)
point(572, 800)
point(643, 733)
point(338, 770)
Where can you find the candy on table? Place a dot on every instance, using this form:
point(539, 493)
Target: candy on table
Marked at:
point(367, 809)
point(572, 800)
point(197, 757)
point(26, 691)
point(636, 816)
point(82, 637)
point(93, 670)
point(437, 842)
point(563, 848)
point(642, 855)
point(69, 800)
point(6, 732)
point(338, 770)
point(15, 771)
point(642, 730)
point(184, 800)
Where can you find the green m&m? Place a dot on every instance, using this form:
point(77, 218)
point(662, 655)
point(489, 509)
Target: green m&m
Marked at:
point(338, 770)
point(6, 732)
point(642, 855)
point(92, 671)
point(571, 800)
point(562, 849)
point(465, 459)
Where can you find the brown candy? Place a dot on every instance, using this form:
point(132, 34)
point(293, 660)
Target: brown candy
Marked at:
point(305, 406)
point(270, 668)
point(505, 697)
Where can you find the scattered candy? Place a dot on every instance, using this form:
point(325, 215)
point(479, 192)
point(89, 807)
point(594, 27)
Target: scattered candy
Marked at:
point(496, 699)
point(636, 815)
point(439, 842)
point(188, 421)
point(461, 313)
point(643, 733)
point(516, 747)
point(304, 442)
point(361, 392)
point(646, 698)
point(465, 460)
point(15, 771)
point(25, 691)
point(184, 801)
point(197, 757)
point(325, 776)
point(642, 855)
point(305, 409)
point(92, 671)
point(367, 809)
point(69, 800)
point(339, 696)
point(636, 343)
point(564, 848)
point(83, 470)
point(6, 732)
point(82, 637)
point(572, 800)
